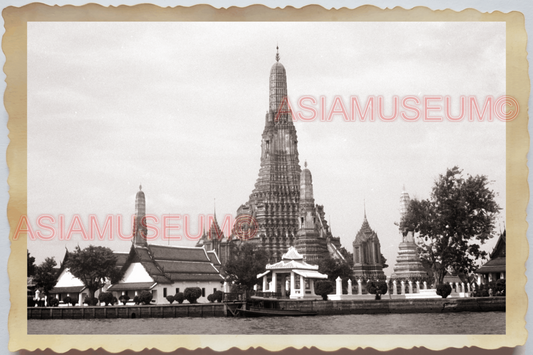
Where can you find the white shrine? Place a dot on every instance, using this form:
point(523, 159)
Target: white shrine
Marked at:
point(291, 274)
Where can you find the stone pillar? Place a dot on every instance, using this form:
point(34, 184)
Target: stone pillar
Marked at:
point(349, 286)
point(468, 286)
point(302, 286)
point(359, 287)
point(225, 288)
point(457, 288)
point(255, 287)
point(502, 275)
point(274, 282)
point(479, 280)
point(80, 299)
point(312, 285)
point(282, 286)
point(402, 288)
point(418, 286)
point(292, 284)
point(264, 283)
point(339, 286)
point(394, 289)
point(463, 287)
point(425, 285)
point(410, 286)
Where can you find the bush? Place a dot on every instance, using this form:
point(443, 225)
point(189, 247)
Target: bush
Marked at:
point(136, 300)
point(170, 299)
point(90, 301)
point(145, 297)
point(52, 301)
point(444, 290)
point(192, 294)
point(377, 288)
point(31, 301)
point(70, 300)
point(500, 287)
point(106, 297)
point(218, 296)
point(179, 297)
point(323, 288)
point(210, 298)
point(124, 299)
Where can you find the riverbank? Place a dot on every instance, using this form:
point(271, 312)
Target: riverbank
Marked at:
point(384, 306)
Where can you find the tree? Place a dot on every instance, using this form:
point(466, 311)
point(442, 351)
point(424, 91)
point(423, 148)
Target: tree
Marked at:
point(31, 265)
point(449, 226)
point(336, 268)
point(170, 299)
point(94, 266)
point(145, 297)
point(323, 288)
point(244, 264)
point(46, 275)
point(179, 297)
point(444, 290)
point(347, 256)
point(384, 262)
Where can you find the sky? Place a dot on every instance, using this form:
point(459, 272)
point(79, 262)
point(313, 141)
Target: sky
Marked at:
point(180, 107)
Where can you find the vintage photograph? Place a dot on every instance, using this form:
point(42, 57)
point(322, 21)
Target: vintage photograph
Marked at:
point(266, 177)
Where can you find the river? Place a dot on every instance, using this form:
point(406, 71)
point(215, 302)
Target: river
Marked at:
point(413, 323)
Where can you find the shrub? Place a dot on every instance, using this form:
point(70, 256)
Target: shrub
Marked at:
point(170, 299)
point(70, 300)
point(444, 290)
point(137, 300)
point(210, 298)
point(52, 301)
point(323, 288)
point(145, 297)
point(179, 297)
point(31, 301)
point(500, 287)
point(124, 299)
point(106, 297)
point(192, 294)
point(90, 301)
point(377, 287)
point(218, 296)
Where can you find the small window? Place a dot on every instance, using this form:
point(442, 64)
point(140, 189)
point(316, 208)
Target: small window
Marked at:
point(214, 290)
point(165, 292)
point(177, 289)
point(203, 292)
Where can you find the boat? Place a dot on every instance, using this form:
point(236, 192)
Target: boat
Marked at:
point(270, 307)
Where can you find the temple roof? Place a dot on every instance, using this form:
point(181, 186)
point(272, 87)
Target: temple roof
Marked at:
point(167, 264)
point(292, 254)
point(365, 233)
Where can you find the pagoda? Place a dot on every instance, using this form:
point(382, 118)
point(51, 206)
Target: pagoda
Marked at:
point(368, 263)
point(281, 203)
point(408, 264)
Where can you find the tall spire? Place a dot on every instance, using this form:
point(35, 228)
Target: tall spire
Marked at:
point(140, 232)
point(277, 54)
point(364, 206)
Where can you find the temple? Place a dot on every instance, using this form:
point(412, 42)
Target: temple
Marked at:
point(282, 203)
point(368, 264)
point(408, 265)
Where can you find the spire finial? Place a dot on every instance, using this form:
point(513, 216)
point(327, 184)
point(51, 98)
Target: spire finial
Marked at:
point(140, 187)
point(277, 53)
point(305, 164)
point(364, 206)
point(215, 208)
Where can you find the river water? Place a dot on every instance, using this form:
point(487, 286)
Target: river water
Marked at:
point(414, 323)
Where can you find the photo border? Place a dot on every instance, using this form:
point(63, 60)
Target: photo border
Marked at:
point(517, 190)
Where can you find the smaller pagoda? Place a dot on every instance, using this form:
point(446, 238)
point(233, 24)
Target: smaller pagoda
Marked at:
point(291, 274)
point(408, 264)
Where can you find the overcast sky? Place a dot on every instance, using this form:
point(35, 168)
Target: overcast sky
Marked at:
point(180, 108)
